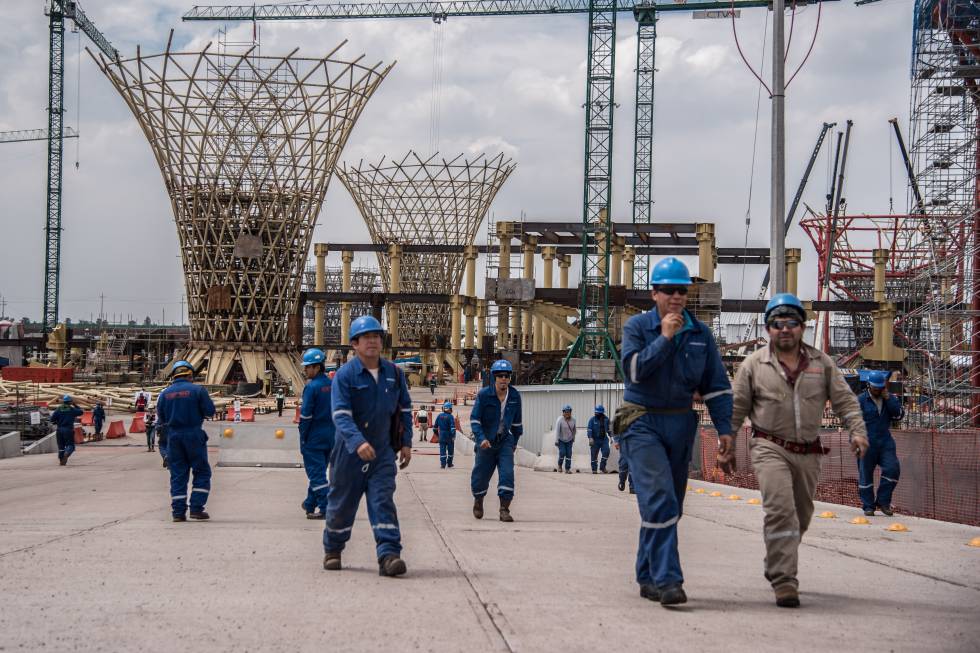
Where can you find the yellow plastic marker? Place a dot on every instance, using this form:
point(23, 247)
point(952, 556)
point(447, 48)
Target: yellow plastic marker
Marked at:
point(700, 490)
point(754, 502)
point(228, 433)
point(897, 528)
point(280, 434)
point(826, 514)
point(734, 497)
point(974, 542)
point(716, 493)
point(690, 489)
point(860, 520)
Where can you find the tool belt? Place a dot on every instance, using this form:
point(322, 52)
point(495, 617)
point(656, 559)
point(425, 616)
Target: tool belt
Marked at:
point(628, 412)
point(792, 447)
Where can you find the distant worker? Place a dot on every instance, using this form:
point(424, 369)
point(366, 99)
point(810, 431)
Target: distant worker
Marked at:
point(783, 389)
point(372, 411)
point(598, 431)
point(422, 420)
point(668, 355)
point(181, 409)
point(63, 419)
point(98, 419)
point(151, 425)
point(497, 424)
point(141, 401)
point(565, 439)
point(280, 401)
point(316, 432)
point(445, 428)
point(879, 408)
point(433, 383)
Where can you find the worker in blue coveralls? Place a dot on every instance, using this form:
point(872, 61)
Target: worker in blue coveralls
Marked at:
point(316, 432)
point(497, 424)
point(668, 355)
point(181, 410)
point(446, 430)
point(598, 432)
point(879, 408)
point(98, 418)
point(372, 412)
point(63, 418)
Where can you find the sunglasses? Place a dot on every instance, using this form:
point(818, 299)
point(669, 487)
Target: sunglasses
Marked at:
point(779, 325)
point(673, 290)
point(501, 375)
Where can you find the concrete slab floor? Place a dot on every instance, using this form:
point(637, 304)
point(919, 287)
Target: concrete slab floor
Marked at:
point(89, 560)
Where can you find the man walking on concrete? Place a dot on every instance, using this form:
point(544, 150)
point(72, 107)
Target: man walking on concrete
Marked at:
point(280, 401)
point(565, 439)
point(445, 428)
point(98, 419)
point(668, 355)
point(598, 431)
point(63, 418)
point(879, 408)
point(422, 419)
point(497, 424)
point(316, 432)
point(372, 412)
point(783, 389)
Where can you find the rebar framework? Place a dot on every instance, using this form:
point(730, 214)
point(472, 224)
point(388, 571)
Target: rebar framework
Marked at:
point(425, 201)
point(246, 145)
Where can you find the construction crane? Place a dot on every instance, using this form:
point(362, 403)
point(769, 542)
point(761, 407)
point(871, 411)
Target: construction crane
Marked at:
point(23, 135)
point(58, 11)
point(594, 340)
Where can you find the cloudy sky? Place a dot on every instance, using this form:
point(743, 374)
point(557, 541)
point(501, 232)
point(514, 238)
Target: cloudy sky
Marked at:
point(509, 84)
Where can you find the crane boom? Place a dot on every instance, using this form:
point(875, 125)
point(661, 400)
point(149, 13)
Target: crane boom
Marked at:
point(23, 135)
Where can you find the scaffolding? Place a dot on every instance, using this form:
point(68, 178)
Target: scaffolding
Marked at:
point(362, 280)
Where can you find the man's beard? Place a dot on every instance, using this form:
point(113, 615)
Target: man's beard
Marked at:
point(786, 345)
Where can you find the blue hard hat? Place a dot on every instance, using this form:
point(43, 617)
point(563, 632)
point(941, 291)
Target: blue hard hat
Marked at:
point(670, 272)
point(364, 324)
point(566, 407)
point(788, 301)
point(447, 404)
point(878, 379)
point(313, 356)
point(501, 366)
point(179, 366)
point(600, 410)
point(66, 398)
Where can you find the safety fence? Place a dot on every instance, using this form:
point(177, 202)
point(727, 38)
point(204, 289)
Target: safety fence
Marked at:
point(940, 471)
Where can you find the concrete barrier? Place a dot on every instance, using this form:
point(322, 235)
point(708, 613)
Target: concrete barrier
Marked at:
point(255, 444)
point(10, 445)
point(47, 444)
point(581, 455)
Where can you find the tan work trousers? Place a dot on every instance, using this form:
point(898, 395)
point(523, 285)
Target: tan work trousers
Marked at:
point(788, 482)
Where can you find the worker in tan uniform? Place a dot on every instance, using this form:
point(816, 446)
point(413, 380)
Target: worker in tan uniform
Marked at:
point(783, 389)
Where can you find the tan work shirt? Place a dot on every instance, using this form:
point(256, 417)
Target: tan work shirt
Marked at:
point(793, 413)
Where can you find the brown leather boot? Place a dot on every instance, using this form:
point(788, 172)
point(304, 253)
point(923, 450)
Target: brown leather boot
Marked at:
point(331, 561)
point(478, 507)
point(787, 596)
point(505, 510)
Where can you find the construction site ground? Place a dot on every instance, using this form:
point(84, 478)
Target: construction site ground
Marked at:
point(90, 561)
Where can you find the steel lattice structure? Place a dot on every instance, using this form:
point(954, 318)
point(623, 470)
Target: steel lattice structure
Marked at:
point(246, 145)
point(362, 280)
point(425, 201)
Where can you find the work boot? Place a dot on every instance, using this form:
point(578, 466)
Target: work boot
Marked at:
point(594, 471)
point(886, 510)
point(787, 596)
point(391, 565)
point(165, 465)
point(568, 471)
point(632, 490)
point(180, 518)
point(505, 510)
point(870, 512)
point(315, 515)
point(62, 461)
point(331, 561)
point(673, 595)
point(650, 592)
point(622, 485)
point(200, 514)
point(478, 507)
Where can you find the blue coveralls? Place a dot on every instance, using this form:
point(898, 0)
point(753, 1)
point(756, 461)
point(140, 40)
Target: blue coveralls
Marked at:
point(486, 423)
point(181, 410)
point(316, 437)
point(98, 418)
point(598, 431)
point(64, 418)
point(663, 376)
point(624, 468)
point(881, 451)
point(363, 410)
point(446, 429)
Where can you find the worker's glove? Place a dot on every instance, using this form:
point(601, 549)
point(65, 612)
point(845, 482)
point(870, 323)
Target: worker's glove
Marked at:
point(591, 442)
point(556, 443)
point(726, 454)
point(859, 445)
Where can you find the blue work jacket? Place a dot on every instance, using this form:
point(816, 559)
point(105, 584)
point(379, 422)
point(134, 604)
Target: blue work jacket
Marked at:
point(662, 373)
point(598, 428)
point(183, 406)
point(316, 427)
point(64, 418)
point(485, 417)
point(878, 423)
point(98, 414)
point(363, 408)
point(446, 425)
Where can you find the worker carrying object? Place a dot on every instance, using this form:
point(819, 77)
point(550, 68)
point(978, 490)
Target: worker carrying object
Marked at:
point(316, 432)
point(565, 438)
point(98, 418)
point(497, 425)
point(668, 355)
point(879, 408)
point(598, 431)
point(372, 411)
point(783, 389)
point(181, 410)
point(445, 428)
point(63, 419)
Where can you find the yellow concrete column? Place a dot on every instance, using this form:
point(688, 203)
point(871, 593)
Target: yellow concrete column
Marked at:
point(394, 287)
point(880, 258)
point(564, 262)
point(530, 328)
point(629, 258)
point(469, 255)
point(616, 261)
point(705, 234)
point(548, 254)
point(503, 272)
point(319, 308)
point(481, 320)
point(793, 257)
point(456, 318)
point(345, 286)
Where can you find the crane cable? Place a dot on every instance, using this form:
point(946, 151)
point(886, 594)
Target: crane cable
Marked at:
point(78, 96)
point(806, 57)
point(435, 97)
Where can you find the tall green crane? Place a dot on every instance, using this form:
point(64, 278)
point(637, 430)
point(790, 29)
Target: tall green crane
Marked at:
point(58, 11)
